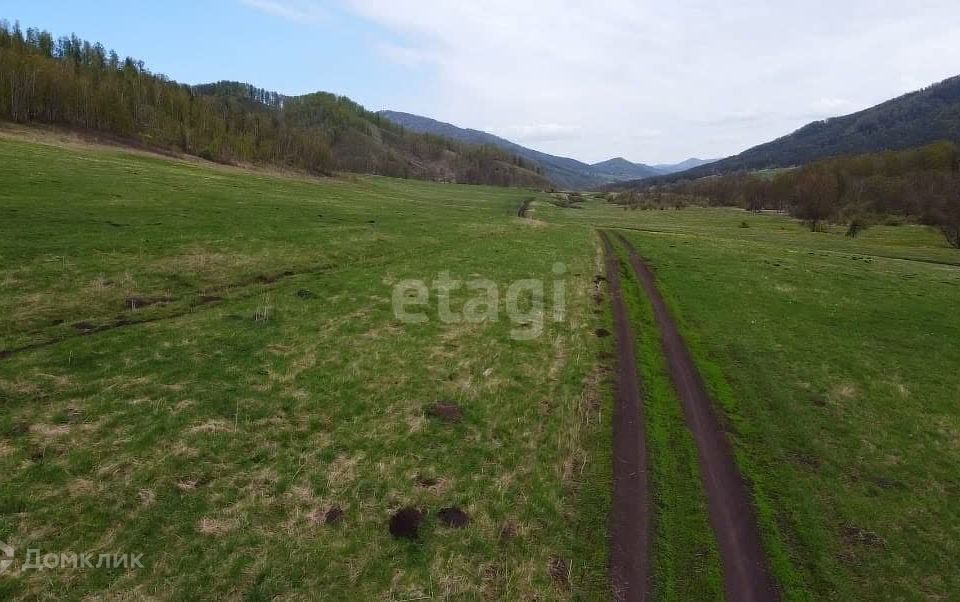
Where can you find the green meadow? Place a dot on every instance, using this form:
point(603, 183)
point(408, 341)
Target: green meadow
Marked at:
point(218, 366)
point(834, 362)
point(203, 364)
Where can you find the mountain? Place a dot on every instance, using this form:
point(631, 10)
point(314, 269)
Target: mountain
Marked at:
point(669, 168)
point(915, 119)
point(361, 141)
point(564, 172)
point(76, 84)
point(622, 169)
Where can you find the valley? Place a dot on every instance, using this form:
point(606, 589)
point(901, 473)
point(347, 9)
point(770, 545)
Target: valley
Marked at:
point(203, 364)
point(261, 342)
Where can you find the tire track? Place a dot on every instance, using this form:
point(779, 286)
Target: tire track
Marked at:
point(524, 210)
point(189, 304)
point(195, 301)
point(631, 521)
point(746, 574)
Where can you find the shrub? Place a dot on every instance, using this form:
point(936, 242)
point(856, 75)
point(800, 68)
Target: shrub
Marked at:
point(857, 226)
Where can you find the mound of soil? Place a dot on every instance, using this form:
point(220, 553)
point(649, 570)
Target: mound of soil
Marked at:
point(446, 412)
point(405, 523)
point(602, 333)
point(305, 294)
point(560, 572)
point(454, 517)
point(334, 515)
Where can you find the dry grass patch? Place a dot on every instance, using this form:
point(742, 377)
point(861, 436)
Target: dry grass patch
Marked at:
point(212, 266)
point(845, 391)
point(217, 527)
point(49, 431)
point(20, 387)
point(82, 487)
point(211, 426)
point(147, 497)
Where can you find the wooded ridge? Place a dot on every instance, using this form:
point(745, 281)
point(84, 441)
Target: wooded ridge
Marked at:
point(78, 84)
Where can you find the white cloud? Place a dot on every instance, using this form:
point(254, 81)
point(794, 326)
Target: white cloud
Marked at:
point(298, 11)
point(540, 132)
point(403, 55)
point(827, 106)
point(651, 80)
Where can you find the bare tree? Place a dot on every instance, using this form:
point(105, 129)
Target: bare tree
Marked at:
point(817, 195)
point(756, 193)
point(943, 206)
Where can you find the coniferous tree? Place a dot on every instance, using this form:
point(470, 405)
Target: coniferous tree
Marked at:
point(73, 83)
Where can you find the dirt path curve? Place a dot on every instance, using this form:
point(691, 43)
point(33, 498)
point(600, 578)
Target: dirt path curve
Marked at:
point(524, 210)
point(746, 574)
point(631, 521)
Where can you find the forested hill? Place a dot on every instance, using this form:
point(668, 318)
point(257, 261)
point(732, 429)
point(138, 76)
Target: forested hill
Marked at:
point(74, 83)
point(912, 120)
point(566, 173)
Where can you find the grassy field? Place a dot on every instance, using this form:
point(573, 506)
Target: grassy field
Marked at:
point(216, 366)
point(205, 362)
point(833, 360)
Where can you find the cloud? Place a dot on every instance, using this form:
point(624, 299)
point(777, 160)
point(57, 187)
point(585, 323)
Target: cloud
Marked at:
point(735, 117)
point(299, 11)
point(830, 107)
point(710, 79)
point(403, 55)
point(541, 132)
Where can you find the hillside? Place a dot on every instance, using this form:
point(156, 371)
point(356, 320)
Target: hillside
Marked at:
point(361, 141)
point(909, 121)
point(564, 172)
point(71, 82)
point(625, 170)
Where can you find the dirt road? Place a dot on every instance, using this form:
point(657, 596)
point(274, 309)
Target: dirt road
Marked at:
point(746, 574)
point(631, 522)
point(524, 209)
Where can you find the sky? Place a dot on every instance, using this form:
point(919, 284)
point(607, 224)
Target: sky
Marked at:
point(654, 82)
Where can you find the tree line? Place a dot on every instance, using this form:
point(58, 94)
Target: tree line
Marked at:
point(921, 184)
point(71, 82)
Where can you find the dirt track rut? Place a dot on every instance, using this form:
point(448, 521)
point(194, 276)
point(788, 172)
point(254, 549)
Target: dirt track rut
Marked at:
point(631, 521)
point(746, 574)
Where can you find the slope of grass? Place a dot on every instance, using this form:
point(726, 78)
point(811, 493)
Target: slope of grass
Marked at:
point(833, 360)
point(216, 365)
